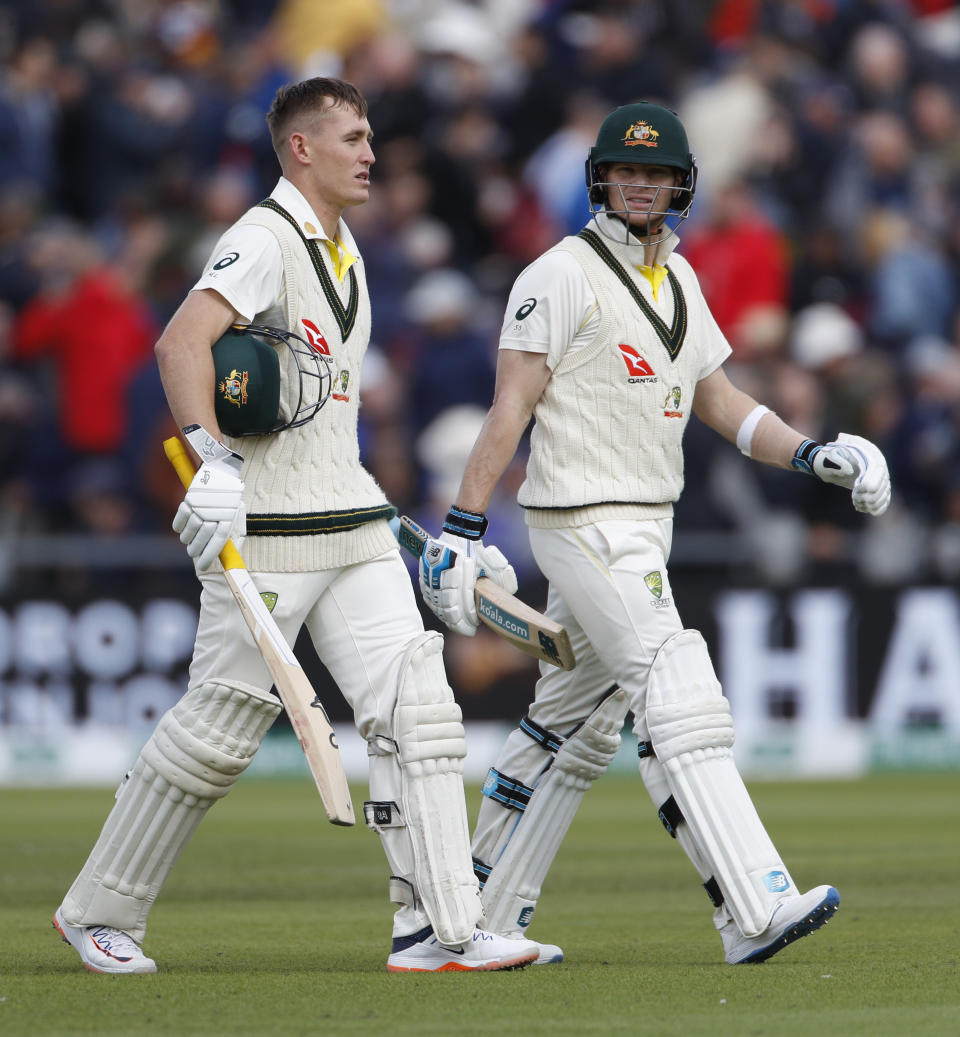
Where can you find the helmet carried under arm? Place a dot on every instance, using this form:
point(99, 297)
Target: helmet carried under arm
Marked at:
point(247, 395)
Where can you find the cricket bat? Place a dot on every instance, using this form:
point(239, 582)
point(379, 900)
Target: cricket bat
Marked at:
point(531, 631)
point(304, 709)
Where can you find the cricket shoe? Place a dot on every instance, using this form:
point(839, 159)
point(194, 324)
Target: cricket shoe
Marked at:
point(103, 948)
point(792, 918)
point(483, 952)
point(550, 953)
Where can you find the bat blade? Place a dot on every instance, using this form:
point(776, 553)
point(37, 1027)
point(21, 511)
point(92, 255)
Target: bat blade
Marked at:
point(506, 615)
point(303, 707)
point(304, 710)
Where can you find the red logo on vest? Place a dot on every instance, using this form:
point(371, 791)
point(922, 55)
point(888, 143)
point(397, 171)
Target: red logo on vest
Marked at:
point(637, 367)
point(315, 337)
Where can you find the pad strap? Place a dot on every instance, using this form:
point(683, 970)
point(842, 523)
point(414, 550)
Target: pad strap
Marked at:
point(380, 814)
point(511, 793)
point(550, 741)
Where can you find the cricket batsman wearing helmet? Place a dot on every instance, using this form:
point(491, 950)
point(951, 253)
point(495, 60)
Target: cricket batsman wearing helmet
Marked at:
point(609, 345)
point(318, 543)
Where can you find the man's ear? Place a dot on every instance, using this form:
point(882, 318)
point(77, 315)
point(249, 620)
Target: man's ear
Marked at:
point(299, 147)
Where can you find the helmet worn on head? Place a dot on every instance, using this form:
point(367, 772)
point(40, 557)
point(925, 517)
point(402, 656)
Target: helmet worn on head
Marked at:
point(249, 396)
point(643, 133)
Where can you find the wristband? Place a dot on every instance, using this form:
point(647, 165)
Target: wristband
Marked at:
point(208, 448)
point(748, 427)
point(803, 459)
point(470, 525)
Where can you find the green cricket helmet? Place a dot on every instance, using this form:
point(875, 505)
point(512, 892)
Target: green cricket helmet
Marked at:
point(642, 133)
point(249, 396)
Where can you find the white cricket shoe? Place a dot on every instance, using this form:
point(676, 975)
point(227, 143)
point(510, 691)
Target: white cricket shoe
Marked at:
point(483, 952)
point(103, 948)
point(550, 953)
point(792, 918)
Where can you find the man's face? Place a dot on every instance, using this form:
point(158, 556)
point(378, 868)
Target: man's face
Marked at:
point(642, 190)
point(341, 156)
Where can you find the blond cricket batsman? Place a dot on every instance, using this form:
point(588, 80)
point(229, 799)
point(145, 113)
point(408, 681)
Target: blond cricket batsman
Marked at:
point(285, 386)
point(608, 344)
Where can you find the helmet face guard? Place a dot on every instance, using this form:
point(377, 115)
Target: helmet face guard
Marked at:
point(248, 399)
point(641, 134)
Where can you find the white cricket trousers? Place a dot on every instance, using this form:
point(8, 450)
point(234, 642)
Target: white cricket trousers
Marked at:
point(609, 587)
point(360, 618)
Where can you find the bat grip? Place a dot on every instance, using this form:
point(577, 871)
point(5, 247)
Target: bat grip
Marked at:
point(183, 466)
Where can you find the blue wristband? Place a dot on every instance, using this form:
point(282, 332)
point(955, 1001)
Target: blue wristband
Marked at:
point(803, 458)
point(467, 524)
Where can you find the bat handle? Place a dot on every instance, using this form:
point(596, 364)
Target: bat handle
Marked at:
point(183, 466)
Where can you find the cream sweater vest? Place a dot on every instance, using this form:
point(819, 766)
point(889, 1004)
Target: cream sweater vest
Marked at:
point(305, 487)
point(609, 426)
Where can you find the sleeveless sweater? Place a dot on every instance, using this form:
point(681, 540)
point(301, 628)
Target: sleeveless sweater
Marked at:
point(310, 502)
point(607, 438)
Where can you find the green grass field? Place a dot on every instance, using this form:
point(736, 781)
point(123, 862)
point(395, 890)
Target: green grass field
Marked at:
point(274, 922)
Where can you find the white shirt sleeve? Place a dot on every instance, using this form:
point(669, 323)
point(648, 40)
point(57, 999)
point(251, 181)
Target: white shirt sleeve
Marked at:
point(551, 309)
point(716, 347)
point(246, 268)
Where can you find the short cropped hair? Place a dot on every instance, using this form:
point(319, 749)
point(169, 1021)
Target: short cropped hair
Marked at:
point(309, 96)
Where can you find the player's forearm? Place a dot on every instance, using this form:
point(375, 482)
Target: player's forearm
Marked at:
point(774, 442)
point(735, 415)
point(187, 377)
point(491, 454)
point(521, 379)
point(185, 360)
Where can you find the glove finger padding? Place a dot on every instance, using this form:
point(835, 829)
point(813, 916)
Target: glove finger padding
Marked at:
point(494, 565)
point(834, 464)
point(871, 489)
point(447, 581)
point(212, 507)
point(218, 537)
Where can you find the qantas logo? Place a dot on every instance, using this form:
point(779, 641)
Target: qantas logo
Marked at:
point(315, 337)
point(638, 370)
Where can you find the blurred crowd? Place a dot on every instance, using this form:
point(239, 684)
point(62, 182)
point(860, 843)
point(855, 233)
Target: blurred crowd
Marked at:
point(826, 233)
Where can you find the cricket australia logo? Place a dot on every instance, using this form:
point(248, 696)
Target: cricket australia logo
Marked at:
point(269, 599)
point(233, 388)
point(343, 380)
point(654, 582)
point(638, 370)
point(641, 134)
point(671, 405)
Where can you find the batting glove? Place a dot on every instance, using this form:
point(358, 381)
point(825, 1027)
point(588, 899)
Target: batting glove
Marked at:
point(852, 462)
point(451, 565)
point(213, 509)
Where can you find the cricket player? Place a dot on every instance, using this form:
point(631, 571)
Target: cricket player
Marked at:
point(609, 345)
point(319, 546)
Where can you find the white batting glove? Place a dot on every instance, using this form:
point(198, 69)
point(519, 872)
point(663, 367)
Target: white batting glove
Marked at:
point(854, 463)
point(213, 508)
point(450, 567)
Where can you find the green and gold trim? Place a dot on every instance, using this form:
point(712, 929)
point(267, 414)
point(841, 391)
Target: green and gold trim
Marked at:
point(345, 316)
point(672, 337)
point(265, 525)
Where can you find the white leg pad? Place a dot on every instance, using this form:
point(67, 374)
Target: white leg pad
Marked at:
point(512, 889)
point(384, 815)
point(429, 732)
point(525, 761)
point(692, 734)
point(655, 780)
point(196, 753)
